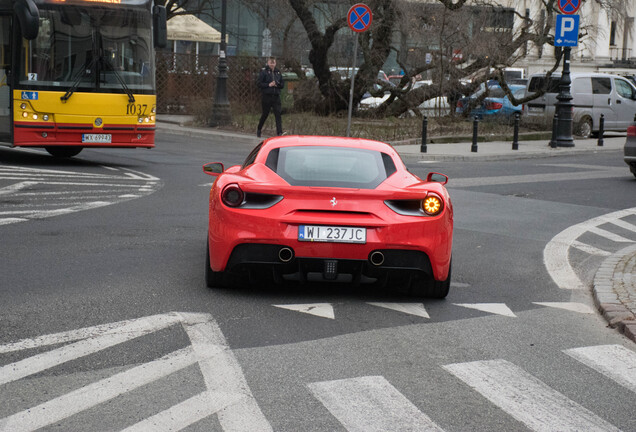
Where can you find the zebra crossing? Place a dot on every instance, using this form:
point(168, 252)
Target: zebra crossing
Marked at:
point(36, 193)
point(599, 238)
point(359, 403)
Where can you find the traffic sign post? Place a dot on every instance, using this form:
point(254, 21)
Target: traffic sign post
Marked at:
point(359, 19)
point(566, 35)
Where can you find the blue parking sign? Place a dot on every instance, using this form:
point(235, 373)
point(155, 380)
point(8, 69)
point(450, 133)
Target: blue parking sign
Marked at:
point(566, 32)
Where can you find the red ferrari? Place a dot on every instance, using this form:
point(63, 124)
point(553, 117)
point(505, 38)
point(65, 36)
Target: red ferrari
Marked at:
point(312, 208)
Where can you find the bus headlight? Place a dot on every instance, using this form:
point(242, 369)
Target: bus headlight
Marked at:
point(35, 116)
point(141, 120)
point(22, 106)
point(25, 114)
point(45, 117)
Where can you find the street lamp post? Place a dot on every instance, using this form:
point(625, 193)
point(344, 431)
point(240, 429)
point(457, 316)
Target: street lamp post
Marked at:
point(564, 106)
point(221, 114)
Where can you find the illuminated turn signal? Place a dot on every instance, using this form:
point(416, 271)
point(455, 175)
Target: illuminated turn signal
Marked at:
point(432, 205)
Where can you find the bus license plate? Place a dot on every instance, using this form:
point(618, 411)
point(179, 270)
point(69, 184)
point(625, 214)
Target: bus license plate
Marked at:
point(337, 234)
point(96, 138)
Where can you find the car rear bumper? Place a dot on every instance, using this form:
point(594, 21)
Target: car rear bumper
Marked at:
point(277, 263)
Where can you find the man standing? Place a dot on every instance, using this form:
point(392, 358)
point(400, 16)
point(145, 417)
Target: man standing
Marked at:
point(270, 81)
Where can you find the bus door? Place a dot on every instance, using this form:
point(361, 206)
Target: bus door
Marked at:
point(5, 93)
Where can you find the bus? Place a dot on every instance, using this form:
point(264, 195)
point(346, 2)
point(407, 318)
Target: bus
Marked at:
point(79, 73)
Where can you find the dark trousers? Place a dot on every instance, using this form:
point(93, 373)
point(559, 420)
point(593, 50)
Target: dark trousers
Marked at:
point(271, 102)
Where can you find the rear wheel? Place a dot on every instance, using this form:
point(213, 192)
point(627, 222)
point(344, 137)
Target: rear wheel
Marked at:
point(433, 288)
point(63, 151)
point(584, 128)
point(213, 279)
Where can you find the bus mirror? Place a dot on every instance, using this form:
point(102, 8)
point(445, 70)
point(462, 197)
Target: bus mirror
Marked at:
point(29, 18)
point(160, 26)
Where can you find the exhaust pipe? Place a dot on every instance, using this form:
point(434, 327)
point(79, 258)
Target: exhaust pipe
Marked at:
point(285, 255)
point(376, 258)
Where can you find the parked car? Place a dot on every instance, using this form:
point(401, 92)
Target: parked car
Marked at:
point(495, 105)
point(593, 94)
point(333, 209)
point(630, 148)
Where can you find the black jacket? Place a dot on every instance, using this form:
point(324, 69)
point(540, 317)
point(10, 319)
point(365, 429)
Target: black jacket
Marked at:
point(266, 76)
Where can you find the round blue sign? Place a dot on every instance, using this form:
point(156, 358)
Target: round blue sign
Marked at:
point(359, 18)
point(569, 7)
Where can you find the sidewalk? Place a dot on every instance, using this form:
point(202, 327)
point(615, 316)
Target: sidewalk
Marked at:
point(615, 282)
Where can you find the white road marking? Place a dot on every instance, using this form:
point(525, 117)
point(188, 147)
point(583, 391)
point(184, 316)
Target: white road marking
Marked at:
point(16, 187)
point(526, 398)
point(323, 310)
point(614, 361)
point(227, 395)
point(99, 189)
point(93, 394)
point(556, 253)
point(493, 308)
point(570, 306)
point(459, 285)
point(609, 235)
point(7, 221)
point(624, 225)
point(149, 324)
point(185, 413)
point(222, 373)
point(369, 404)
point(416, 309)
point(592, 250)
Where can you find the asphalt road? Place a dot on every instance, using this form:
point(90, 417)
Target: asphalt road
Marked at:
point(107, 324)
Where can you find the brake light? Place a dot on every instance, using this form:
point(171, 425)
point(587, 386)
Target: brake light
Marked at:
point(232, 195)
point(494, 106)
point(631, 131)
point(460, 104)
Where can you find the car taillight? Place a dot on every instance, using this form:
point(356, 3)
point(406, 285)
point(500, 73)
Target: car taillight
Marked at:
point(232, 195)
point(494, 106)
point(460, 104)
point(432, 205)
point(631, 131)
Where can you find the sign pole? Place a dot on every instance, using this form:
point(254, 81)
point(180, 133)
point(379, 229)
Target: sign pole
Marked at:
point(564, 106)
point(353, 75)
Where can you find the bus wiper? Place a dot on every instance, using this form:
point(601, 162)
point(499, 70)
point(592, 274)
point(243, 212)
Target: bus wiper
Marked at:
point(77, 81)
point(131, 97)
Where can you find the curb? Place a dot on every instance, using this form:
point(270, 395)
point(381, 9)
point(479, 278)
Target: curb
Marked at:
point(418, 157)
point(614, 286)
point(174, 129)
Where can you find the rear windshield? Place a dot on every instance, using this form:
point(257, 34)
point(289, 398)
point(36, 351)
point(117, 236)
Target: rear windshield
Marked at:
point(325, 166)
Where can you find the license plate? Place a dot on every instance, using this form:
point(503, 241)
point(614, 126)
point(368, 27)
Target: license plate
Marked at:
point(337, 234)
point(533, 109)
point(96, 138)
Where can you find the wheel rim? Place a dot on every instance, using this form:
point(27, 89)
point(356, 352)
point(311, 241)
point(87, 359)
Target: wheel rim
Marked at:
point(586, 128)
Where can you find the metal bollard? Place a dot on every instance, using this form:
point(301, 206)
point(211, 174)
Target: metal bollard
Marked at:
point(424, 127)
point(473, 147)
point(515, 137)
point(555, 120)
point(601, 130)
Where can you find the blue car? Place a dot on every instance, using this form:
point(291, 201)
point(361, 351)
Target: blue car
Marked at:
point(495, 105)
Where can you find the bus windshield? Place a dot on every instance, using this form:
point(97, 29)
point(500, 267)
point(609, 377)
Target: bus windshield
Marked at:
point(91, 49)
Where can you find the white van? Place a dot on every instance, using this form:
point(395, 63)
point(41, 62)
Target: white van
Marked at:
point(593, 94)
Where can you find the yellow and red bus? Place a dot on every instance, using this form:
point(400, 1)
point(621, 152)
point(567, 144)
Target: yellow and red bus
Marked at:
point(78, 73)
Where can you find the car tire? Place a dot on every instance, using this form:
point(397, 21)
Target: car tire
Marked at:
point(433, 288)
point(584, 128)
point(63, 151)
point(213, 279)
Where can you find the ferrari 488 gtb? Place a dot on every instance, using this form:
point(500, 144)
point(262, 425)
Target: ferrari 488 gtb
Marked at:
point(313, 208)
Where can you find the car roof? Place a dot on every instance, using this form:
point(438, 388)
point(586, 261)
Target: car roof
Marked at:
point(327, 141)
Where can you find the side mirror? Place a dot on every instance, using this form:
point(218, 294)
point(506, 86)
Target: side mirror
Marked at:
point(437, 177)
point(160, 26)
point(28, 17)
point(213, 168)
